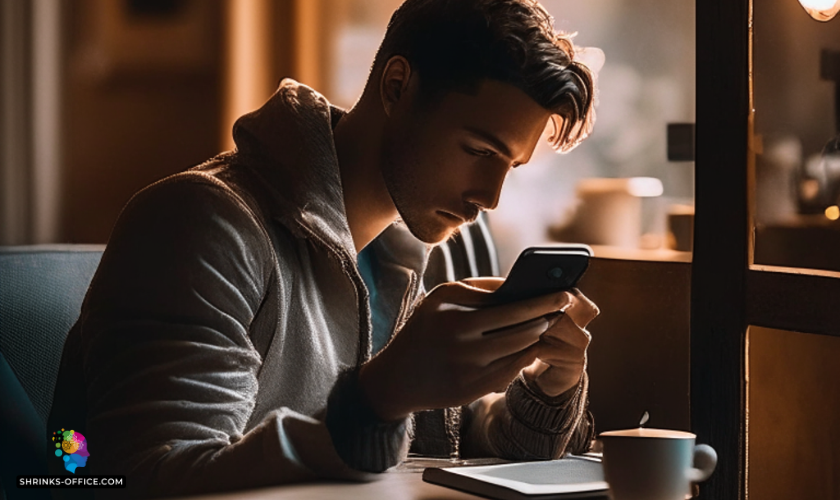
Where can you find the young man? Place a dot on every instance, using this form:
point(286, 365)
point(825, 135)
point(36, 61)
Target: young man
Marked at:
point(226, 340)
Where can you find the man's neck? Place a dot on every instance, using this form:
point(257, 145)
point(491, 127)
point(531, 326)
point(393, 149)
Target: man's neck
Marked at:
point(367, 203)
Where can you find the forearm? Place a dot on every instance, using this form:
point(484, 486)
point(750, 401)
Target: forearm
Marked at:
point(364, 441)
point(284, 448)
point(523, 424)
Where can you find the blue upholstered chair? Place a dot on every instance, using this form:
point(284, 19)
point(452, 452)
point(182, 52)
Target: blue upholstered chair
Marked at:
point(41, 293)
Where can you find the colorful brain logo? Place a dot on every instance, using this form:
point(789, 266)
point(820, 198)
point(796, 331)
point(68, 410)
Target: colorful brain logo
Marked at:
point(72, 447)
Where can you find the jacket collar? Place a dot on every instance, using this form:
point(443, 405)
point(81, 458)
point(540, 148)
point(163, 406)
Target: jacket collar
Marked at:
point(289, 142)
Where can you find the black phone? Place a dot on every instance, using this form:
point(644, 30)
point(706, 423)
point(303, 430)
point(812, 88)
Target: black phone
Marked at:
point(541, 270)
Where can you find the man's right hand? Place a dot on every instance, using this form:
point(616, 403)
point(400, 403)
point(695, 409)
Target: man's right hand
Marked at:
point(443, 356)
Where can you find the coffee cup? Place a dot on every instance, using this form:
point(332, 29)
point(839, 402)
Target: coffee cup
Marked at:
point(654, 464)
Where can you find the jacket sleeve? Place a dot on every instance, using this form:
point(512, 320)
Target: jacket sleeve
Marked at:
point(169, 367)
point(525, 424)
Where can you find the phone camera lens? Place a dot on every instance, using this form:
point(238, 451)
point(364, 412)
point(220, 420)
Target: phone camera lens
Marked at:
point(555, 273)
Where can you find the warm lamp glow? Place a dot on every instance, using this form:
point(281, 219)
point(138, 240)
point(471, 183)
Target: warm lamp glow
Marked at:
point(821, 10)
point(817, 4)
point(832, 212)
point(645, 187)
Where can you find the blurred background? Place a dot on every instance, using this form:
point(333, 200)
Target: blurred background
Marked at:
point(796, 98)
point(102, 97)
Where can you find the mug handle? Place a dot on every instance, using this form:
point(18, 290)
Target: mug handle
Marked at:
point(705, 460)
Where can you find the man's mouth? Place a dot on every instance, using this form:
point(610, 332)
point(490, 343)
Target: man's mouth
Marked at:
point(457, 219)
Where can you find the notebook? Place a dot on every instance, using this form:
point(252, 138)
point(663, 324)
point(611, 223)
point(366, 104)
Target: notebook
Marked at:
point(568, 478)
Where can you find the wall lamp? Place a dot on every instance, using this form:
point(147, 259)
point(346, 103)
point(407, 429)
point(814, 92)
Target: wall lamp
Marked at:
point(821, 10)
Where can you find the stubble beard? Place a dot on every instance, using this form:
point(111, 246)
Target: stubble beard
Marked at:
point(401, 178)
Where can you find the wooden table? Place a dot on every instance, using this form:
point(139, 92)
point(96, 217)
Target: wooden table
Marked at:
point(404, 482)
point(394, 485)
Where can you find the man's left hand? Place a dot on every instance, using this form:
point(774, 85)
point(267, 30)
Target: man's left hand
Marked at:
point(562, 348)
point(562, 359)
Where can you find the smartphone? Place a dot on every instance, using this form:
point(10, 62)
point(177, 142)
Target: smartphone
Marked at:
point(541, 270)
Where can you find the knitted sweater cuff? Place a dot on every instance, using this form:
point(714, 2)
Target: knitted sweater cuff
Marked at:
point(360, 437)
point(542, 413)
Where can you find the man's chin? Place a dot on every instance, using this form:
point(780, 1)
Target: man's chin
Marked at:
point(431, 234)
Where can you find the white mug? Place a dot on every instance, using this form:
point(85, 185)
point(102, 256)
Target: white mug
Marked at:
point(654, 464)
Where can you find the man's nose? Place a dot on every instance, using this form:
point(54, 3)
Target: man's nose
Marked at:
point(486, 201)
point(487, 197)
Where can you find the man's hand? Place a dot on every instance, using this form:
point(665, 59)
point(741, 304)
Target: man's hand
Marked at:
point(562, 354)
point(562, 348)
point(443, 356)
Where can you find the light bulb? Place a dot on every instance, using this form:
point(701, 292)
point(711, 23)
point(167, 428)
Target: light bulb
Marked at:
point(645, 187)
point(821, 10)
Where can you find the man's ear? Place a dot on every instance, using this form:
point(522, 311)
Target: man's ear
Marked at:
point(394, 83)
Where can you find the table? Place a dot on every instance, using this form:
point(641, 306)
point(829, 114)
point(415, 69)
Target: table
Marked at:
point(393, 485)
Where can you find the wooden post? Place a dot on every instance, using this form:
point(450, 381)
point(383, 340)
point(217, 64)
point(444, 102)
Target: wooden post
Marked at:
point(721, 250)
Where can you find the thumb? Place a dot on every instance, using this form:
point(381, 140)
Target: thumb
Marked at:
point(487, 283)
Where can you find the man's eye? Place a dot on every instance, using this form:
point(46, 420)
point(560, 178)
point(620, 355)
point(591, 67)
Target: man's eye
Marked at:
point(480, 152)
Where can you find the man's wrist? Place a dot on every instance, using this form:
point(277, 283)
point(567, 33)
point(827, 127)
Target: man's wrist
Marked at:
point(555, 397)
point(380, 393)
point(551, 381)
point(539, 412)
point(361, 438)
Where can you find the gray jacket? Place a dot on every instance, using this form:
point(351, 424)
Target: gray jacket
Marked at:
point(219, 342)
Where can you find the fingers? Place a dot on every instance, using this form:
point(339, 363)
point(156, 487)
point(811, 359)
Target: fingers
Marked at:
point(496, 317)
point(582, 310)
point(561, 365)
point(511, 340)
point(493, 320)
point(487, 283)
point(499, 374)
point(461, 293)
point(562, 356)
point(566, 331)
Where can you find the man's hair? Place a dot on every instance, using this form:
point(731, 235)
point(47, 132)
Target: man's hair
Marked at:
point(455, 44)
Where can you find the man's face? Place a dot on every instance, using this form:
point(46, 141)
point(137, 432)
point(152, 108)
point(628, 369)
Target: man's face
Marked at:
point(444, 163)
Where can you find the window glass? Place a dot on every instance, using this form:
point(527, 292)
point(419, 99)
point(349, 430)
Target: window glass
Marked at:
point(796, 67)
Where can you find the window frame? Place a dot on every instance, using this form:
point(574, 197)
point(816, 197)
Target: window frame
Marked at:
point(729, 292)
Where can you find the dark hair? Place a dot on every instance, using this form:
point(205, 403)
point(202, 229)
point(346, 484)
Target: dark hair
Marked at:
point(455, 44)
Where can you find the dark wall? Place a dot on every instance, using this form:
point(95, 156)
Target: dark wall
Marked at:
point(135, 112)
point(639, 356)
